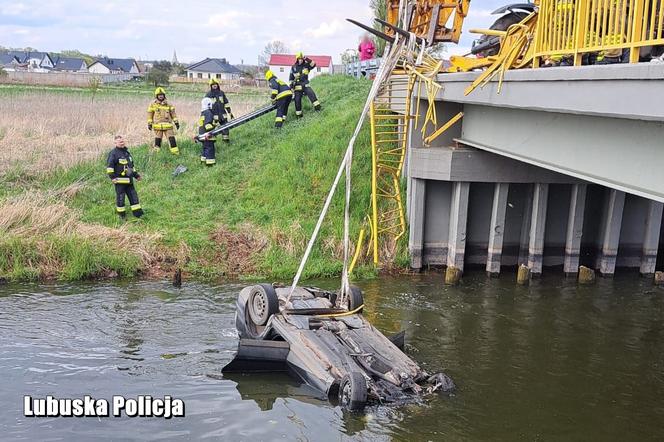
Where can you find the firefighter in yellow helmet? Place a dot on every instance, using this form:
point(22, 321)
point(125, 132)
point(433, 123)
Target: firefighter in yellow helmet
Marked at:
point(299, 80)
point(161, 119)
point(221, 108)
point(281, 95)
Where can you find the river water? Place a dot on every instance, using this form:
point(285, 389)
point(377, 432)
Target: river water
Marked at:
point(552, 361)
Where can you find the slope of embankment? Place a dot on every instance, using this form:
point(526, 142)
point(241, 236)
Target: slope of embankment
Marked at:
point(249, 216)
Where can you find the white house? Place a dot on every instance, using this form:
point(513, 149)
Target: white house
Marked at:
point(281, 64)
point(114, 66)
point(33, 60)
point(213, 68)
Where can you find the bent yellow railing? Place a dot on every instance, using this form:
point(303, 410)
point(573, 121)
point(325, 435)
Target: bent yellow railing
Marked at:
point(576, 27)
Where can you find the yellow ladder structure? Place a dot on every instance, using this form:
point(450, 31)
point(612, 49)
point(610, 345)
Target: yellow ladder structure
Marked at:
point(390, 116)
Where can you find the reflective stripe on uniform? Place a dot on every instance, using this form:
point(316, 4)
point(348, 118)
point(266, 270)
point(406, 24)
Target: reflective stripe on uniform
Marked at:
point(175, 150)
point(210, 126)
point(203, 159)
point(210, 161)
point(122, 181)
point(279, 120)
point(284, 94)
point(120, 209)
point(110, 170)
point(298, 112)
point(316, 103)
point(305, 71)
point(135, 207)
point(298, 88)
point(162, 126)
point(227, 105)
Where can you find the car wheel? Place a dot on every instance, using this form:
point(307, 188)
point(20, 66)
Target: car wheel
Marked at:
point(501, 24)
point(263, 303)
point(353, 391)
point(355, 299)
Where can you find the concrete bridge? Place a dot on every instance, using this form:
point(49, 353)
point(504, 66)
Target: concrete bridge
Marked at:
point(565, 167)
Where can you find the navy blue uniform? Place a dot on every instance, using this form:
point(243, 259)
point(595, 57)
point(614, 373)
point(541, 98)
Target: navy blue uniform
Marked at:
point(120, 168)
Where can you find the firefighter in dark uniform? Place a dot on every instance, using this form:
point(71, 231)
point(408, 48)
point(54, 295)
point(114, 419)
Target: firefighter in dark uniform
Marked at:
point(161, 119)
point(299, 79)
point(281, 96)
point(120, 169)
point(221, 108)
point(206, 123)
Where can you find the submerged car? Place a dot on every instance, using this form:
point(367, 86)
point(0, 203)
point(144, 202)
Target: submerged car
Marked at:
point(332, 348)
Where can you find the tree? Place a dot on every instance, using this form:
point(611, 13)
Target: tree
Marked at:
point(379, 8)
point(3, 73)
point(349, 56)
point(273, 47)
point(159, 73)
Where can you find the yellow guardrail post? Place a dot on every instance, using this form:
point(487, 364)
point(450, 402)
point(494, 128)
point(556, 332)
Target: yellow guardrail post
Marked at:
point(580, 23)
point(637, 29)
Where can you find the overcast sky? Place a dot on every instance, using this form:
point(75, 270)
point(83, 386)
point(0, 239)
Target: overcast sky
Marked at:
point(235, 29)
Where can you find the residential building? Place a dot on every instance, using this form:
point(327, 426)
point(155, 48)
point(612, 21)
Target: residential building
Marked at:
point(281, 64)
point(213, 68)
point(114, 66)
point(8, 62)
point(69, 64)
point(33, 60)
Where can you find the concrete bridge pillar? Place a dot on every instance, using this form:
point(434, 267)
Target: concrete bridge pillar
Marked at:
point(613, 213)
point(416, 221)
point(497, 228)
point(577, 207)
point(537, 225)
point(651, 238)
point(457, 233)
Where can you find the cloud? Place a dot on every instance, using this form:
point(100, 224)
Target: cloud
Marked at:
point(325, 30)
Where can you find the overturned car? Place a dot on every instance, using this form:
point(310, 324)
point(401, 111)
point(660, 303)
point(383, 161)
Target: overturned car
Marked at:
point(330, 347)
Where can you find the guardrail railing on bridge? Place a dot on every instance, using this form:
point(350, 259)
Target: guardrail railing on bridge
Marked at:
point(578, 27)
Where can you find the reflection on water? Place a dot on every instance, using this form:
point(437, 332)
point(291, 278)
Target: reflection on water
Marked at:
point(549, 361)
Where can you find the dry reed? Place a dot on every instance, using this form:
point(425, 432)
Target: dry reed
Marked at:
point(42, 130)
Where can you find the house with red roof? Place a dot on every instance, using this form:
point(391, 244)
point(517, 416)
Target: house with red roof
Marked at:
point(281, 64)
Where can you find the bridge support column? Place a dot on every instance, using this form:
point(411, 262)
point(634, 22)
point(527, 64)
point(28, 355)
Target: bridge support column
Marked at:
point(537, 225)
point(525, 228)
point(457, 232)
point(613, 213)
point(651, 238)
point(577, 206)
point(416, 221)
point(497, 228)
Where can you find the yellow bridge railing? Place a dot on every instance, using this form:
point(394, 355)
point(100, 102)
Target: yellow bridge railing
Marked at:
point(576, 27)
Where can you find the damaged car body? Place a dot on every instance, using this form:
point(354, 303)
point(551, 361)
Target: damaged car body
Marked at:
point(331, 348)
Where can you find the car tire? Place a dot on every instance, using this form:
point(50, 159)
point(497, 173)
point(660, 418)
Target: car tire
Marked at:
point(262, 304)
point(501, 24)
point(355, 298)
point(353, 391)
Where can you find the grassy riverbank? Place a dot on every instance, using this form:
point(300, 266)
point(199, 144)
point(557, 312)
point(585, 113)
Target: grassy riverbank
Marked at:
point(248, 217)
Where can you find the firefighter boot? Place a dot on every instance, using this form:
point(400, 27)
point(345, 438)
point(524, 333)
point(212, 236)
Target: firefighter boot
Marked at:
point(174, 146)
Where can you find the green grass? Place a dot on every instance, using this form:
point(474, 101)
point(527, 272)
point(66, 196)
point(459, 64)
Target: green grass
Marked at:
point(270, 183)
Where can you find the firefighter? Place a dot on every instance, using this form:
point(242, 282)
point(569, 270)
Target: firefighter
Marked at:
point(120, 169)
point(281, 96)
point(299, 79)
point(206, 123)
point(161, 118)
point(221, 108)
